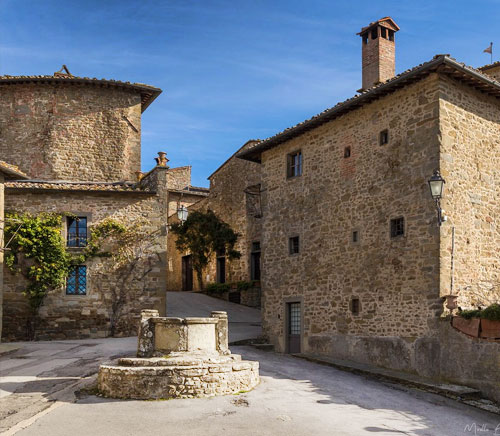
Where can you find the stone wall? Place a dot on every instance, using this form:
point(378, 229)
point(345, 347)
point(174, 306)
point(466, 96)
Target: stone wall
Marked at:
point(493, 72)
point(241, 210)
point(179, 178)
point(447, 355)
point(395, 279)
point(68, 316)
point(2, 179)
point(71, 132)
point(470, 164)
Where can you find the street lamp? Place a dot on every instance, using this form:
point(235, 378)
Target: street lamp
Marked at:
point(182, 213)
point(436, 184)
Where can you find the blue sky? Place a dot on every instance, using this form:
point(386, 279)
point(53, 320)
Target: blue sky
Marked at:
point(231, 70)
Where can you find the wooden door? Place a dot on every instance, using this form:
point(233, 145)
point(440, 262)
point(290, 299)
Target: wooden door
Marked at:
point(187, 273)
point(294, 327)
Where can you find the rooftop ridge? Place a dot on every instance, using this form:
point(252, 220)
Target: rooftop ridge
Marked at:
point(359, 99)
point(148, 92)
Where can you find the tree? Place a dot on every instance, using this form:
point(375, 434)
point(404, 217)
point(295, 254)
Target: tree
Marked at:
point(202, 235)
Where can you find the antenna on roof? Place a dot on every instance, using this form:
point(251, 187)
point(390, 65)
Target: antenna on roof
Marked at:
point(63, 72)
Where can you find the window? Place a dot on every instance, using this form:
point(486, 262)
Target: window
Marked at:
point(76, 283)
point(355, 306)
point(391, 35)
point(365, 38)
point(384, 137)
point(76, 231)
point(374, 33)
point(355, 236)
point(255, 261)
point(383, 32)
point(397, 227)
point(347, 152)
point(293, 245)
point(294, 164)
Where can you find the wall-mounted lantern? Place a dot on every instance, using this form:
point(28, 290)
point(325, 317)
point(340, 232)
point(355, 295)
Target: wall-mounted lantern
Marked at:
point(182, 213)
point(436, 185)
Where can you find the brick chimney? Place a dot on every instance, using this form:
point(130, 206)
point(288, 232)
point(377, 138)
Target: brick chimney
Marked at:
point(378, 52)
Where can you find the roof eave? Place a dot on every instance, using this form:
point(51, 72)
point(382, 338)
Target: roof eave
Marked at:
point(254, 154)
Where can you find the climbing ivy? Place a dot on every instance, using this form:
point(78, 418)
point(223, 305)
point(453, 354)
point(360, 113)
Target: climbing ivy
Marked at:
point(36, 249)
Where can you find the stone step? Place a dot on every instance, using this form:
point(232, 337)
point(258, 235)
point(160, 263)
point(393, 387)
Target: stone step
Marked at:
point(264, 347)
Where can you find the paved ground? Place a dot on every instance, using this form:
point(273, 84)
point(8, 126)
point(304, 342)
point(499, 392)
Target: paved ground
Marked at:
point(295, 397)
point(244, 322)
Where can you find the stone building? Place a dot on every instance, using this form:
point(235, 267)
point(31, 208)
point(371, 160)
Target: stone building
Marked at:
point(7, 172)
point(234, 196)
point(354, 265)
point(79, 142)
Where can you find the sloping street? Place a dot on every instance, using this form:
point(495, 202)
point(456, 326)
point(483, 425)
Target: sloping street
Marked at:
point(295, 397)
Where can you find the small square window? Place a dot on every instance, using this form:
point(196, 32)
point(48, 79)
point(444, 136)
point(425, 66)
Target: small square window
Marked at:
point(293, 245)
point(397, 227)
point(355, 236)
point(355, 306)
point(384, 137)
point(294, 164)
point(76, 282)
point(347, 152)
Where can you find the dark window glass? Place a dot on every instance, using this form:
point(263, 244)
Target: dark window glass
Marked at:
point(347, 152)
point(293, 245)
point(397, 227)
point(76, 283)
point(384, 137)
point(77, 231)
point(355, 306)
point(294, 321)
point(294, 164)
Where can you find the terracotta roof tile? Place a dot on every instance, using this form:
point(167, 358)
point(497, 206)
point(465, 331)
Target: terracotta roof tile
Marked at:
point(148, 93)
point(11, 171)
point(61, 185)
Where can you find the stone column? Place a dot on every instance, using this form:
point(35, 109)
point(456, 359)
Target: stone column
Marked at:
point(221, 332)
point(146, 343)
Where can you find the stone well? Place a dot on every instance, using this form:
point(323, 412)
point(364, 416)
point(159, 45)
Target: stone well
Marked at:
point(179, 358)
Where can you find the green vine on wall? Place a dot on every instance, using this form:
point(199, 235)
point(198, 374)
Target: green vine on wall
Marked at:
point(37, 250)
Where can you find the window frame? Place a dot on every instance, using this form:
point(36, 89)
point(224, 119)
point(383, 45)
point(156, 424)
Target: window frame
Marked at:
point(291, 245)
point(294, 169)
point(76, 268)
point(355, 306)
point(383, 137)
point(66, 227)
point(396, 230)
